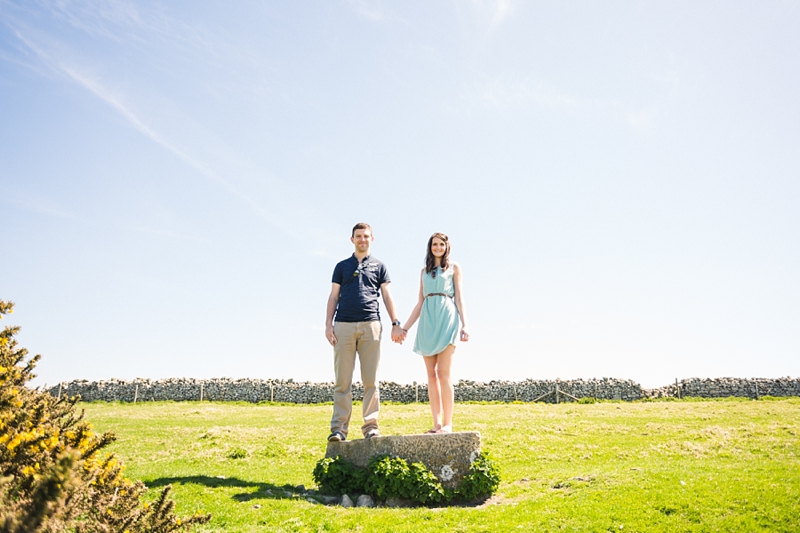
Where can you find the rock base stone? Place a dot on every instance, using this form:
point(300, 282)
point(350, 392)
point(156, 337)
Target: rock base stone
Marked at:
point(447, 455)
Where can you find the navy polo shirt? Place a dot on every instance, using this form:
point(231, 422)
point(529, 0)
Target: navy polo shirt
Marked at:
point(360, 287)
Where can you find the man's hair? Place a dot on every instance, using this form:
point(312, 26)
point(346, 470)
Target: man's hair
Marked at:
point(360, 225)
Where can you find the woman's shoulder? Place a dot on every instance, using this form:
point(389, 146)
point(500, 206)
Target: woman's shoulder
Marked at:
point(455, 266)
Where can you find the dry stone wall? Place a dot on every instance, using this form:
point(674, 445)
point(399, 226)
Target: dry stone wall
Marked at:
point(548, 391)
point(728, 387)
point(289, 391)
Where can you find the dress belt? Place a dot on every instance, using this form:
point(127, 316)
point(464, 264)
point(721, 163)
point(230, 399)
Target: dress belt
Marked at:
point(438, 294)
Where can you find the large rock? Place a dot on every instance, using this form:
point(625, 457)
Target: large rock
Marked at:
point(365, 500)
point(447, 455)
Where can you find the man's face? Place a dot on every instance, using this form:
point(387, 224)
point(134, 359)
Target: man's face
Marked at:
point(362, 238)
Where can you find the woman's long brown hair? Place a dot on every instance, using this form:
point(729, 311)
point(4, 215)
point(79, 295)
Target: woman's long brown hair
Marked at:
point(430, 261)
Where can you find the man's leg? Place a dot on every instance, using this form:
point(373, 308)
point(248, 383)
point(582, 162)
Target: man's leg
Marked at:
point(369, 355)
point(344, 361)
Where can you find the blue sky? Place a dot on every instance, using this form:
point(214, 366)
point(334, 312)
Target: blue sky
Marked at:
point(620, 182)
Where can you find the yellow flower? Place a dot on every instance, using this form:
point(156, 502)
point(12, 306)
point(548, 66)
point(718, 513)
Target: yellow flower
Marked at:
point(14, 443)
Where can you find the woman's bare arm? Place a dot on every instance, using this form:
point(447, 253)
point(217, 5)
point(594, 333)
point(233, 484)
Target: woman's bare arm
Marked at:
point(459, 301)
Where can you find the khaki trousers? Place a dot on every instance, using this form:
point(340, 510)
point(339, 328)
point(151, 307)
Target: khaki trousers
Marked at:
point(363, 338)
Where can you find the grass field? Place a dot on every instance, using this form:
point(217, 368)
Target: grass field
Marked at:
point(731, 466)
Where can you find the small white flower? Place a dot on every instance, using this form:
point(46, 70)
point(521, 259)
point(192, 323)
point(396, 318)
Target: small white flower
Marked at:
point(447, 473)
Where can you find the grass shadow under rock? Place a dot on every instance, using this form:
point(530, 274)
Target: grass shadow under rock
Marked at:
point(264, 490)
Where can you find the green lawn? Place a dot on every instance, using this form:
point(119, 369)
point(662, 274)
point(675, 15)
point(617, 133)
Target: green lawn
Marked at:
point(687, 465)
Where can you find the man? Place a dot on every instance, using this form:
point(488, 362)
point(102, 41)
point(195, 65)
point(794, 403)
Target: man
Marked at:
point(357, 282)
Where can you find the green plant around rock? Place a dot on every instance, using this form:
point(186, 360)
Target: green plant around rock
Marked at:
point(53, 477)
point(386, 477)
point(337, 476)
point(395, 477)
point(483, 478)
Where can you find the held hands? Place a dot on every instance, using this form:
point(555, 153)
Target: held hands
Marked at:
point(398, 334)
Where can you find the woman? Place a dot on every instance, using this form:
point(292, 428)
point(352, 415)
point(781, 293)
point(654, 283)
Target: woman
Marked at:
point(438, 310)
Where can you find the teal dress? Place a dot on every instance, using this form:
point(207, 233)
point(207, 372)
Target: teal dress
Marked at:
point(438, 319)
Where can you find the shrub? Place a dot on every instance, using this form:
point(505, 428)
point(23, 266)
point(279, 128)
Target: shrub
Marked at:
point(482, 480)
point(53, 477)
point(386, 477)
point(337, 476)
point(395, 478)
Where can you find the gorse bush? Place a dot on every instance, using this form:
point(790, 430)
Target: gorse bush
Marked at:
point(386, 477)
point(53, 476)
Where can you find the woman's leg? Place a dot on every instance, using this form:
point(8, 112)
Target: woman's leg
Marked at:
point(433, 390)
point(446, 393)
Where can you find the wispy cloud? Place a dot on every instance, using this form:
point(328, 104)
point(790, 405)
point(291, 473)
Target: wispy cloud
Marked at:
point(37, 204)
point(154, 217)
point(123, 21)
point(505, 92)
point(508, 93)
point(374, 10)
point(491, 12)
point(501, 8)
point(141, 32)
point(642, 118)
point(116, 53)
point(95, 17)
point(367, 9)
point(118, 102)
point(166, 233)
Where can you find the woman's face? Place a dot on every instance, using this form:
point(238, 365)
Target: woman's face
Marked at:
point(438, 247)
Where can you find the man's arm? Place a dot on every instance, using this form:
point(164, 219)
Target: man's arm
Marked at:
point(397, 331)
point(333, 301)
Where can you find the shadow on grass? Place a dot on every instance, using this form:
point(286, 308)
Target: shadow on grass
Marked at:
point(263, 490)
point(270, 491)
